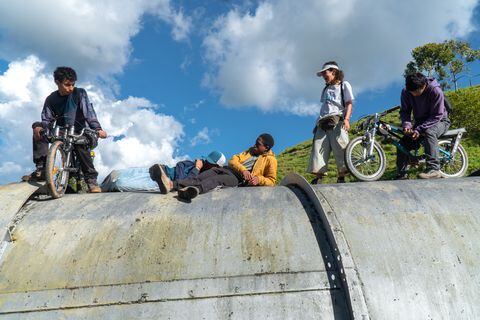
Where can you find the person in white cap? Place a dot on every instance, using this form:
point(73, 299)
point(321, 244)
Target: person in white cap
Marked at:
point(333, 123)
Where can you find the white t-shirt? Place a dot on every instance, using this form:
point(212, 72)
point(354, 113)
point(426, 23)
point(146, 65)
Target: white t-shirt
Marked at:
point(331, 99)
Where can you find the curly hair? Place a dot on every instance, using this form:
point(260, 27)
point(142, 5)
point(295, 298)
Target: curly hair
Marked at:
point(64, 73)
point(338, 74)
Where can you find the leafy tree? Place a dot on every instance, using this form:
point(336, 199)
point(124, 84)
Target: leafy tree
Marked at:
point(446, 61)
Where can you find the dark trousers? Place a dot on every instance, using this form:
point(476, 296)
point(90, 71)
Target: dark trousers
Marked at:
point(40, 150)
point(429, 140)
point(209, 180)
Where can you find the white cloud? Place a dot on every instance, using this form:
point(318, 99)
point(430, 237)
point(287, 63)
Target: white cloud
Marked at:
point(10, 168)
point(268, 58)
point(91, 36)
point(204, 136)
point(148, 137)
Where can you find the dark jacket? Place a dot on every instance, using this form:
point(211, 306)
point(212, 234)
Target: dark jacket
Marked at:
point(428, 108)
point(185, 169)
point(77, 111)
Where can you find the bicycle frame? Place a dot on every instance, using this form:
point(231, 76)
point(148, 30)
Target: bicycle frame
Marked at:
point(393, 134)
point(69, 138)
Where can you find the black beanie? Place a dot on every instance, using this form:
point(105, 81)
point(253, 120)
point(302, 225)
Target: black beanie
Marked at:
point(267, 140)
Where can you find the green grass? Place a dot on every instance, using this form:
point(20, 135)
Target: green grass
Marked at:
point(295, 159)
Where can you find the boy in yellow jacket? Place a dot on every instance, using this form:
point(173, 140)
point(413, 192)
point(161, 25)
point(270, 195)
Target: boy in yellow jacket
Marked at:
point(256, 166)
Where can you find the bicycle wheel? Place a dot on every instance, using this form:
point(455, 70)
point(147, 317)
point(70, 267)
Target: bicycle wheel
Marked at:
point(56, 176)
point(456, 167)
point(362, 167)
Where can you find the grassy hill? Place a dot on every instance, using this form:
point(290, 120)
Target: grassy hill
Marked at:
point(466, 106)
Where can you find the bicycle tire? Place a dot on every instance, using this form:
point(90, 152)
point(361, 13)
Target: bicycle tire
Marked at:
point(53, 175)
point(353, 158)
point(450, 169)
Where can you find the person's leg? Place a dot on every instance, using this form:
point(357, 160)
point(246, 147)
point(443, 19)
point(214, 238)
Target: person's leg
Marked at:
point(402, 158)
point(209, 180)
point(39, 155)
point(88, 169)
point(430, 143)
point(319, 155)
point(338, 139)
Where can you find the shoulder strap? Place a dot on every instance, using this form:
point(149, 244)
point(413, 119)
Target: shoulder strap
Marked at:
point(341, 94)
point(323, 91)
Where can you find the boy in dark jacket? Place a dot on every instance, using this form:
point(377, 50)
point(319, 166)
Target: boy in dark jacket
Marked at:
point(424, 98)
point(66, 106)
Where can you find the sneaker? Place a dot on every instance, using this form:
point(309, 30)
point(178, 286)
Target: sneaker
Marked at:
point(37, 175)
point(341, 180)
point(188, 193)
point(94, 188)
point(316, 180)
point(401, 176)
point(431, 174)
point(157, 173)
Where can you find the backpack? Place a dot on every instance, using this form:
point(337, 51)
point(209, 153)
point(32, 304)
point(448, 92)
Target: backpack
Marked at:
point(447, 104)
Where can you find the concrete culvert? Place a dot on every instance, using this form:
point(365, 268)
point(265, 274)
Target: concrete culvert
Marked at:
point(383, 250)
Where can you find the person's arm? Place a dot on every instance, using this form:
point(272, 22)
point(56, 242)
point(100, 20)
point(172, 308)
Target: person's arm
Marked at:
point(90, 115)
point(48, 116)
point(437, 111)
point(348, 114)
point(269, 177)
point(236, 164)
point(405, 111)
point(195, 171)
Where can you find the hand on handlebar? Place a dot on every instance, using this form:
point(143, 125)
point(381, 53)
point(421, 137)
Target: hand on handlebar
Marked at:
point(414, 134)
point(37, 133)
point(407, 131)
point(102, 134)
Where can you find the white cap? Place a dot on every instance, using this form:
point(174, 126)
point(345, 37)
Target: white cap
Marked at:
point(326, 67)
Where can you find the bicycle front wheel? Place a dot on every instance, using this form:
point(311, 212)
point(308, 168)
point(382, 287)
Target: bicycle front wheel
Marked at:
point(362, 166)
point(452, 167)
point(56, 175)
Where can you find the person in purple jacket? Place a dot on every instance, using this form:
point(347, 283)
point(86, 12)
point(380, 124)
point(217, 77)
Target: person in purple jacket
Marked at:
point(424, 98)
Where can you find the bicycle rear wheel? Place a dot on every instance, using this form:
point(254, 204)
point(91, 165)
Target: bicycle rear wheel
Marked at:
point(361, 166)
point(56, 175)
point(452, 167)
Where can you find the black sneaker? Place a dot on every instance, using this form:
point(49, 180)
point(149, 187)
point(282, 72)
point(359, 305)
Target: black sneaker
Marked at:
point(188, 193)
point(37, 175)
point(401, 176)
point(341, 180)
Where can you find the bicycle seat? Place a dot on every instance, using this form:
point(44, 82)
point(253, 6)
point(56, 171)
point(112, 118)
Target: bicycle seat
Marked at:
point(453, 133)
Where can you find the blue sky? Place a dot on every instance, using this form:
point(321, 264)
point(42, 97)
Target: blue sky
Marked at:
point(179, 79)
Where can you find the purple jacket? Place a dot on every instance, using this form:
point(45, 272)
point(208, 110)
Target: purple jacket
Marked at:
point(428, 108)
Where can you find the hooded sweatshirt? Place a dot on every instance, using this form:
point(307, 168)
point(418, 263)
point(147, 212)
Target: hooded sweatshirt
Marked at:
point(428, 108)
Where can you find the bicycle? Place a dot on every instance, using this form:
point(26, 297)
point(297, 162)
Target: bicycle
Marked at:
point(61, 158)
point(366, 160)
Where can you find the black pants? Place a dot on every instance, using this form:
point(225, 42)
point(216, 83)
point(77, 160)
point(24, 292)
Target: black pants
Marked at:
point(429, 139)
point(40, 151)
point(209, 180)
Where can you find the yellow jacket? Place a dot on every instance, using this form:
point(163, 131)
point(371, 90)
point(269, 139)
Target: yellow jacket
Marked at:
point(265, 168)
